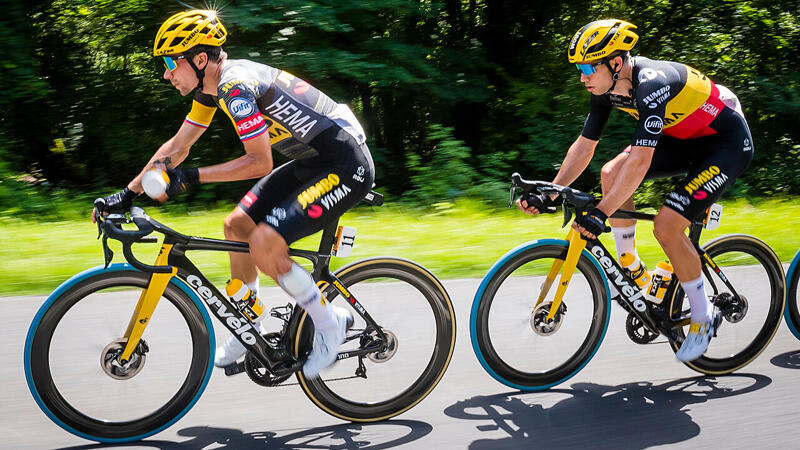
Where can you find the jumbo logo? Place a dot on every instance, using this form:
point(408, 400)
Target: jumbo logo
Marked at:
point(316, 191)
point(702, 178)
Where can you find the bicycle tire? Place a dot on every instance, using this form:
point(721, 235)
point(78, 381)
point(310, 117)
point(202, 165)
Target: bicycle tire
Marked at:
point(482, 343)
point(767, 258)
point(70, 293)
point(792, 312)
point(437, 298)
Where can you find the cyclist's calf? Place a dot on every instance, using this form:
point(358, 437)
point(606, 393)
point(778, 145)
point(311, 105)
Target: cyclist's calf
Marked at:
point(269, 251)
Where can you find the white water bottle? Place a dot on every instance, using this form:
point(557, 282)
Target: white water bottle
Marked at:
point(661, 279)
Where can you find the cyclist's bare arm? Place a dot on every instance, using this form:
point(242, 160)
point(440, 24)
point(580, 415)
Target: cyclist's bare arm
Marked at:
point(631, 174)
point(255, 163)
point(176, 149)
point(576, 161)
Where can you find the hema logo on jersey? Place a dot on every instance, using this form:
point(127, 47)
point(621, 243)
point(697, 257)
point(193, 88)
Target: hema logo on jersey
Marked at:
point(241, 108)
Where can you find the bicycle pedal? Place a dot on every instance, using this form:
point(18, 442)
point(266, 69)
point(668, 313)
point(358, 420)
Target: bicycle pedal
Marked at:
point(234, 369)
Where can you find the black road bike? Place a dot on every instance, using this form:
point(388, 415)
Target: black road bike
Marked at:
point(528, 337)
point(121, 352)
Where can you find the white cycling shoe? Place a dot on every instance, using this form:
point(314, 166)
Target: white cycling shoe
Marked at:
point(698, 338)
point(232, 349)
point(326, 344)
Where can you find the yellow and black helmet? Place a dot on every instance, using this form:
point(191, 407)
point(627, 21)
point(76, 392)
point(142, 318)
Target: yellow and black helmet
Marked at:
point(600, 38)
point(187, 29)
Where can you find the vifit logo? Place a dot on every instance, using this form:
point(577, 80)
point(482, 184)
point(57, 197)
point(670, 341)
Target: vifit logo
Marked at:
point(240, 327)
point(631, 293)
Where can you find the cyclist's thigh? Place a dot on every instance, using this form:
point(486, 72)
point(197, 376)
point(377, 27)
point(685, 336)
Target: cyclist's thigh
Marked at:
point(328, 189)
point(725, 156)
point(269, 191)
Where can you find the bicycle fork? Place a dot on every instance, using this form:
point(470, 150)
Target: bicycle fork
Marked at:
point(576, 246)
point(148, 300)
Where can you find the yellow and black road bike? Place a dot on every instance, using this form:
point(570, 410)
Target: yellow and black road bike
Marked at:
point(122, 351)
point(542, 310)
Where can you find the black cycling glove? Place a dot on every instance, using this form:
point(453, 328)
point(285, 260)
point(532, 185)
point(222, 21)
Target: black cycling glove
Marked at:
point(116, 203)
point(180, 179)
point(594, 222)
point(541, 202)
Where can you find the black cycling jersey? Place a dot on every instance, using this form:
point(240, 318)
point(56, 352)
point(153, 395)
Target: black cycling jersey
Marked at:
point(667, 97)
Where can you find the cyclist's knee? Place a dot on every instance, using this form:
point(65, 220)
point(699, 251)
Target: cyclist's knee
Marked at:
point(238, 225)
point(269, 250)
point(668, 225)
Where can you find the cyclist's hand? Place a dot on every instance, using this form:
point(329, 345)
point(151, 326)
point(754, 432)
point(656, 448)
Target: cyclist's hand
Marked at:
point(180, 179)
point(592, 224)
point(533, 204)
point(114, 203)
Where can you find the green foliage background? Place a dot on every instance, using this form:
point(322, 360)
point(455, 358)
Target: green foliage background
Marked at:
point(454, 94)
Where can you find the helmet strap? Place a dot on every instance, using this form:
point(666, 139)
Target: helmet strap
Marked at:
point(614, 76)
point(201, 73)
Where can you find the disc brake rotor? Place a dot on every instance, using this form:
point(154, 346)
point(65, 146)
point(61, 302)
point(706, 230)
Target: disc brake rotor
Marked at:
point(539, 323)
point(391, 348)
point(110, 362)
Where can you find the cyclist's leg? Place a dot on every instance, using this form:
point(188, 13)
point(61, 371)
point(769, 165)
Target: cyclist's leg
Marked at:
point(255, 204)
point(239, 226)
point(624, 230)
point(724, 157)
point(329, 189)
point(665, 162)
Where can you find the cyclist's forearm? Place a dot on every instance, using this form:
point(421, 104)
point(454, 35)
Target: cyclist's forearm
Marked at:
point(576, 161)
point(631, 175)
point(244, 167)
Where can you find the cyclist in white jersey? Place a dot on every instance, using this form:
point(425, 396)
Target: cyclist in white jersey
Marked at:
point(330, 170)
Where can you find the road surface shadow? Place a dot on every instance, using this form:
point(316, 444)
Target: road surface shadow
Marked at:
point(372, 436)
point(788, 360)
point(628, 416)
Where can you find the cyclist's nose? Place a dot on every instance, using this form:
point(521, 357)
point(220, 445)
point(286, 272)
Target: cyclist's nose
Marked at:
point(167, 74)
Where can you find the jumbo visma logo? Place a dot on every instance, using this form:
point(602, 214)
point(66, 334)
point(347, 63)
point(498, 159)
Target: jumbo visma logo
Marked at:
point(702, 178)
point(316, 191)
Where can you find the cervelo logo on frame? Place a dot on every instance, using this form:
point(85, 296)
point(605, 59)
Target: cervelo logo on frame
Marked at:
point(632, 294)
point(240, 327)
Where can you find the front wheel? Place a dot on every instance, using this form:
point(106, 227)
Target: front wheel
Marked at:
point(415, 313)
point(72, 365)
point(749, 320)
point(511, 334)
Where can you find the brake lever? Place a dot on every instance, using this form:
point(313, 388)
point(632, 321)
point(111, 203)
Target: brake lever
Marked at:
point(108, 255)
point(512, 194)
point(567, 214)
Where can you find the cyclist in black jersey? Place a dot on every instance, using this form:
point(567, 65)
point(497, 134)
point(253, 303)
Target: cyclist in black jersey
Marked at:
point(685, 124)
point(331, 168)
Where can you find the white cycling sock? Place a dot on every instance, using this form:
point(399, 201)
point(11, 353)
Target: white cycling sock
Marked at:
point(253, 286)
point(625, 240)
point(298, 283)
point(698, 302)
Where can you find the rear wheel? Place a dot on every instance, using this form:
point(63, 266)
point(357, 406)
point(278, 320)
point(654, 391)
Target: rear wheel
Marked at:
point(750, 319)
point(416, 315)
point(72, 357)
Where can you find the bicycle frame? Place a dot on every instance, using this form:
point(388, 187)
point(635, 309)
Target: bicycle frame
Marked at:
point(173, 262)
point(629, 294)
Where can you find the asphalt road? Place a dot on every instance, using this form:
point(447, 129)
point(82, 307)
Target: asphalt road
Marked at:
point(628, 396)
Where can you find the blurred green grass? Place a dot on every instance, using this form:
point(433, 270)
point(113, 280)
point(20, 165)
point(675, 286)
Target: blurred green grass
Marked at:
point(452, 240)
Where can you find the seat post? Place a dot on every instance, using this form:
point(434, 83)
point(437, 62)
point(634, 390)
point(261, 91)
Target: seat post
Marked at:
point(328, 237)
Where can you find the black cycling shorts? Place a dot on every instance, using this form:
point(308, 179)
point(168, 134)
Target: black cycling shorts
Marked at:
point(302, 196)
point(711, 163)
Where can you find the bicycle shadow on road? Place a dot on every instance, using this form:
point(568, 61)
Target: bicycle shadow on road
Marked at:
point(372, 436)
point(788, 360)
point(630, 416)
